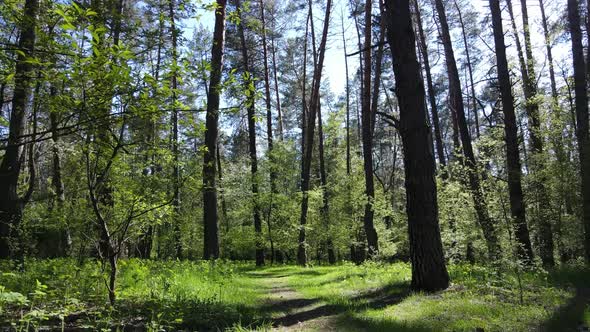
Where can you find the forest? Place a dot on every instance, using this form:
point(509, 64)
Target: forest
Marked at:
point(303, 165)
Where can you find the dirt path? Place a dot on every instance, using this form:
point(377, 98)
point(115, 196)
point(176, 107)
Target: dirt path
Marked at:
point(292, 311)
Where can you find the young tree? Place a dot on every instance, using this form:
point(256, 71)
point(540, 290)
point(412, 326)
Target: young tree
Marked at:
point(429, 271)
point(210, 216)
point(581, 115)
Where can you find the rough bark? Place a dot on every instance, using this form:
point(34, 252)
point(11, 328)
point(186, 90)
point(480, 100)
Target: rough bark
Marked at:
point(517, 208)
point(429, 271)
point(210, 216)
point(581, 100)
point(11, 207)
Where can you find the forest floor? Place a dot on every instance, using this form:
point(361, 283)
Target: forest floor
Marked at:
point(62, 295)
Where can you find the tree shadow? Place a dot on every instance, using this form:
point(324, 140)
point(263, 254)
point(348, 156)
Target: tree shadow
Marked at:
point(569, 317)
point(374, 299)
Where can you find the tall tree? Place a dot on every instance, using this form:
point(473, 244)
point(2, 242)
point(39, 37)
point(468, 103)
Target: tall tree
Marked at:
point(517, 208)
point(431, 93)
point(11, 205)
point(429, 271)
point(367, 136)
point(314, 105)
point(456, 104)
point(543, 216)
point(175, 152)
point(250, 92)
point(210, 216)
point(581, 115)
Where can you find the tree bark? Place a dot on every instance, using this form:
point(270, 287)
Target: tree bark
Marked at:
point(175, 152)
point(367, 132)
point(250, 87)
point(269, 130)
point(210, 215)
point(581, 115)
point(517, 208)
point(431, 93)
point(456, 104)
point(429, 271)
point(11, 207)
point(309, 135)
point(469, 71)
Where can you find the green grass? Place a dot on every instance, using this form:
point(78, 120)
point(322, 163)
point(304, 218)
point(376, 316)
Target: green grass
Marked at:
point(229, 295)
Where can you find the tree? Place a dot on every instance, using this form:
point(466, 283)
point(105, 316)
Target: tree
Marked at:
point(456, 104)
point(367, 136)
point(581, 115)
point(210, 216)
point(250, 92)
point(11, 205)
point(314, 105)
point(431, 93)
point(429, 271)
point(517, 207)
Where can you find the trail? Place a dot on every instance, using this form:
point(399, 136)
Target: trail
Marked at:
point(292, 311)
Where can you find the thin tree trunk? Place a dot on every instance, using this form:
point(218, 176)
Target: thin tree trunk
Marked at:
point(175, 152)
point(469, 71)
point(309, 135)
point(431, 93)
point(276, 82)
point(301, 249)
point(210, 217)
point(347, 99)
point(367, 125)
point(581, 115)
point(269, 129)
point(456, 103)
point(249, 85)
point(429, 271)
point(517, 208)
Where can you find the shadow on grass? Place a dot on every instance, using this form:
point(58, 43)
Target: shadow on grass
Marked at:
point(373, 299)
point(570, 317)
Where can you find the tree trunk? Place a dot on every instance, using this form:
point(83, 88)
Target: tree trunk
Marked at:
point(581, 115)
point(456, 104)
point(276, 82)
point(517, 208)
point(469, 71)
point(175, 152)
point(367, 132)
point(309, 135)
point(269, 130)
point(429, 271)
point(249, 85)
point(431, 93)
point(544, 215)
point(11, 207)
point(210, 217)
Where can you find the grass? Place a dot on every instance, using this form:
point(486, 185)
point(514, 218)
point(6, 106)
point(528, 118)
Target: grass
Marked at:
point(229, 295)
